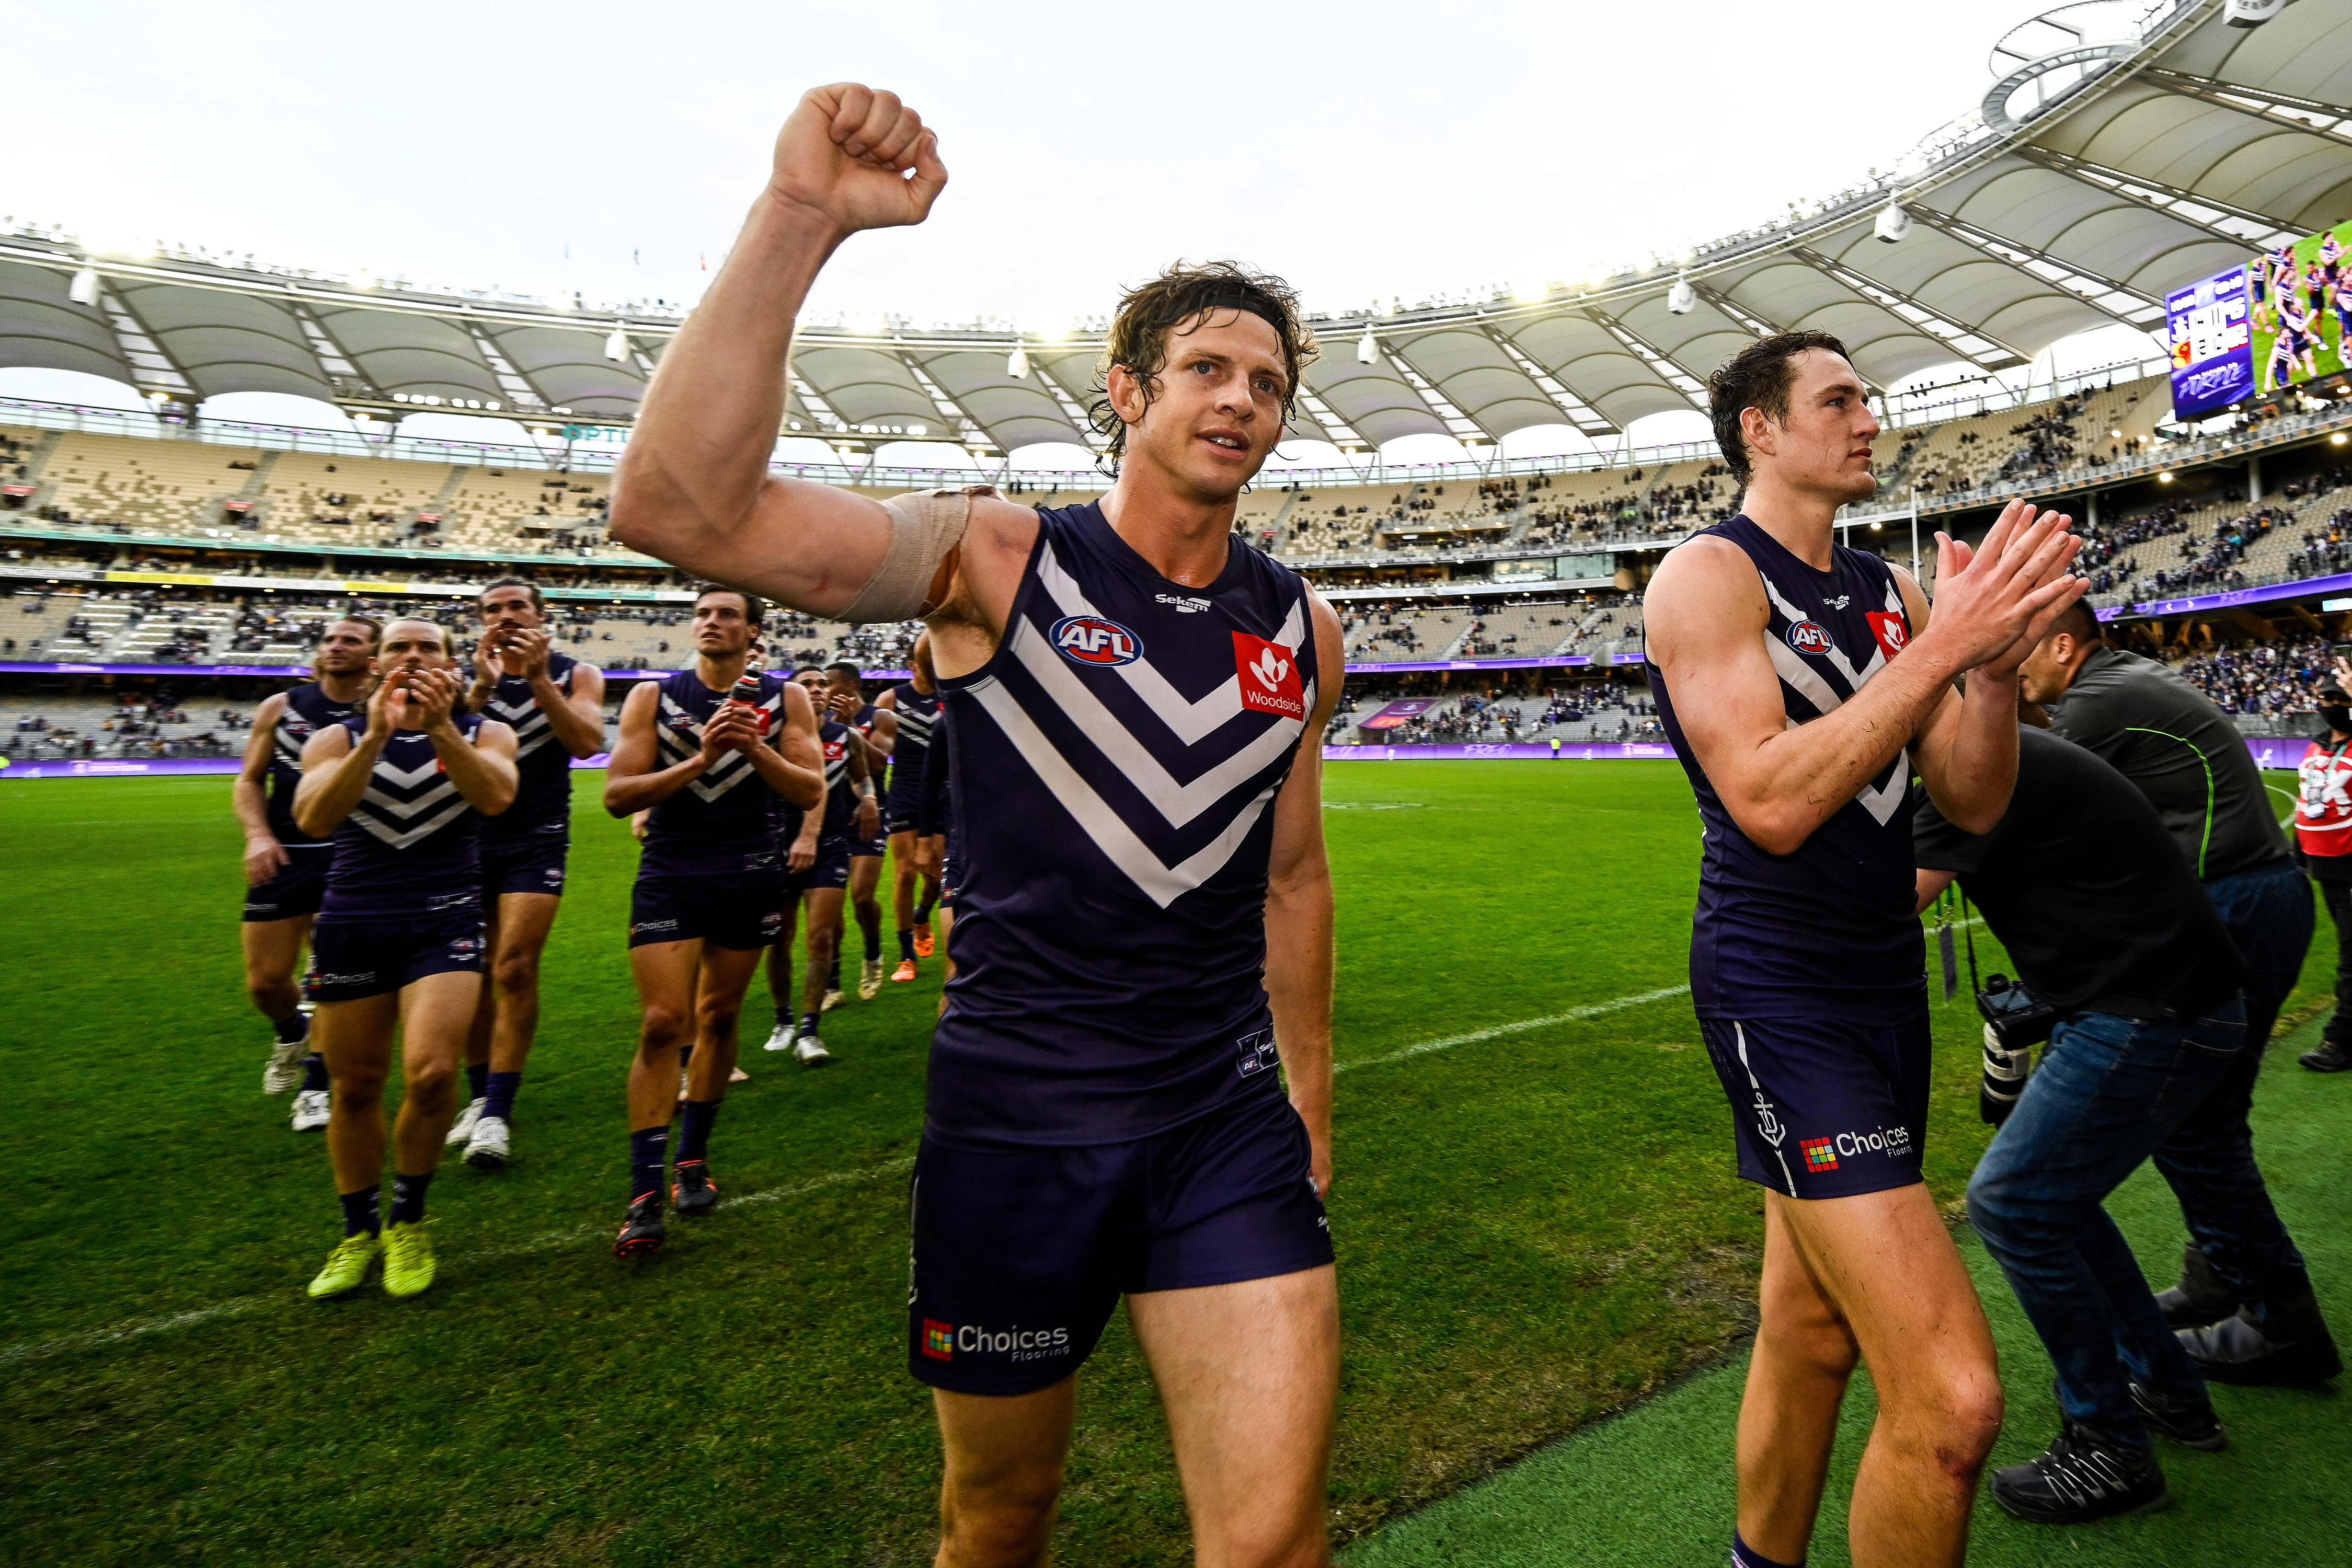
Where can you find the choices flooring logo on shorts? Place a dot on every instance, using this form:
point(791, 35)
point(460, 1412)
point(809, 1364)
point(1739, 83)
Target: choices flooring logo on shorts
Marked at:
point(942, 1341)
point(1822, 1154)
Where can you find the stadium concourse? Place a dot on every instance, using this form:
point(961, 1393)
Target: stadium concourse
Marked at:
point(1544, 1350)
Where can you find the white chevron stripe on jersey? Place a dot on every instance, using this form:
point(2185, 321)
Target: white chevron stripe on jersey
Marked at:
point(1179, 803)
point(1880, 800)
point(405, 808)
point(1189, 720)
point(1161, 883)
point(400, 839)
point(722, 776)
point(406, 778)
point(528, 721)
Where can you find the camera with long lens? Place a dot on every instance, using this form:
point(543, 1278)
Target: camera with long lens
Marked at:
point(2016, 1020)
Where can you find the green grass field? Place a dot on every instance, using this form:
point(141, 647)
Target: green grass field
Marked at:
point(1538, 1226)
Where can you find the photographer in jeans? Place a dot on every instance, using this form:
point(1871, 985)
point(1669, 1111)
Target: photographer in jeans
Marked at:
point(2110, 930)
point(2244, 1292)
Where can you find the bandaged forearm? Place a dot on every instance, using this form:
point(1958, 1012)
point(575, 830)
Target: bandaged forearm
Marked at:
point(925, 525)
point(865, 787)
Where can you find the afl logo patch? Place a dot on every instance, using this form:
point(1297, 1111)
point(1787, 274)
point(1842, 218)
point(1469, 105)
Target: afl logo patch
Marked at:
point(1809, 637)
point(1091, 639)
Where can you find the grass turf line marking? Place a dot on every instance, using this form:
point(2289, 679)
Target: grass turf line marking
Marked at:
point(1573, 1015)
point(243, 1306)
point(239, 1306)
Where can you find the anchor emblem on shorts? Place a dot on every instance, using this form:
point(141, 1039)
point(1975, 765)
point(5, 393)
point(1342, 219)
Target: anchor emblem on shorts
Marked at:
point(1768, 1123)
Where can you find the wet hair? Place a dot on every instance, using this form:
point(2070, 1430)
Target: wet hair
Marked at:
point(1152, 312)
point(1758, 377)
point(537, 602)
point(755, 608)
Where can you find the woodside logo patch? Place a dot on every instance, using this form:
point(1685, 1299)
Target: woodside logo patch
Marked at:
point(1268, 673)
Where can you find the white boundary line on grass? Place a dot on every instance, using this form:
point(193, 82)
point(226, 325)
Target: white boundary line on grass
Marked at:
point(1573, 1015)
point(245, 1306)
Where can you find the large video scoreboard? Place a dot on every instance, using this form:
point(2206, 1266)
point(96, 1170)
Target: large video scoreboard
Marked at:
point(2280, 321)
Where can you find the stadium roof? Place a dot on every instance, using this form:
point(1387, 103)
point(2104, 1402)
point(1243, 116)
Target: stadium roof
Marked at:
point(2118, 154)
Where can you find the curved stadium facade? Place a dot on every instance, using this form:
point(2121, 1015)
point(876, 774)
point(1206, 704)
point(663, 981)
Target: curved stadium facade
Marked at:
point(2117, 156)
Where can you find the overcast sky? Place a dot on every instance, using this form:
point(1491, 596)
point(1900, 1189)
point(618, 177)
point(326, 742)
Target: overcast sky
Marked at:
point(1367, 152)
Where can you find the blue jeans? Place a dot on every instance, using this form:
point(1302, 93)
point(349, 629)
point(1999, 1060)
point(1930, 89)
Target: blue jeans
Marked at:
point(2108, 1092)
point(2209, 1161)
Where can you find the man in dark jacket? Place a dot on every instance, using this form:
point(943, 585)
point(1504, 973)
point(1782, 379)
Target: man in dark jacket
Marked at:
point(2243, 1291)
point(2108, 927)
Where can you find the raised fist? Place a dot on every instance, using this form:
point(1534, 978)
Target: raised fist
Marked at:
point(859, 158)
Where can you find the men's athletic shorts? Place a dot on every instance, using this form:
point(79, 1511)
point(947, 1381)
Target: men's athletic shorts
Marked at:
point(868, 849)
point(533, 865)
point(902, 808)
point(1824, 1109)
point(830, 869)
point(1021, 1252)
point(297, 889)
point(739, 910)
point(356, 959)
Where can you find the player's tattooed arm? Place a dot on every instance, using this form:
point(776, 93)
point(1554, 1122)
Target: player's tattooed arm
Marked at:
point(265, 857)
point(1298, 910)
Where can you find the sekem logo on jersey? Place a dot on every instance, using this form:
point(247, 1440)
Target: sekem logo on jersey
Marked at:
point(1091, 639)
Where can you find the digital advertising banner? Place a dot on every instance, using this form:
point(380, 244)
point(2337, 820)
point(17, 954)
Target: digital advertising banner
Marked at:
point(2212, 343)
point(2301, 310)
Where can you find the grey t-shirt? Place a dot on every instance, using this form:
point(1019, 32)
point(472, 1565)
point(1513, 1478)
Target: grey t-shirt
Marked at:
point(2187, 758)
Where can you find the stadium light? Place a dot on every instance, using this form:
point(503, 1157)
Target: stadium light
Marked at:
point(2250, 13)
point(1893, 224)
point(616, 347)
point(1680, 297)
point(2336, 439)
point(1016, 363)
point(1368, 349)
point(2164, 478)
point(83, 290)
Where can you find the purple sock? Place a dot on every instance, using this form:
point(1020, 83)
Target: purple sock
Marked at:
point(314, 1072)
point(478, 1075)
point(360, 1211)
point(408, 1198)
point(649, 1162)
point(497, 1094)
point(695, 1119)
point(1746, 1556)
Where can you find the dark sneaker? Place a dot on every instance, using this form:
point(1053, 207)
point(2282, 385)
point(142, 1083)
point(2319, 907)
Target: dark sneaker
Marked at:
point(2330, 1057)
point(2235, 1350)
point(2201, 1296)
point(642, 1231)
point(2191, 1426)
point(695, 1192)
point(2079, 1478)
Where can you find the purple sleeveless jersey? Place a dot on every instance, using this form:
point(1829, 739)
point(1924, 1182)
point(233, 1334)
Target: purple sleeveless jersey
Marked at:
point(723, 823)
point(412, 847)
point(1115, 767)
point(307, 711)
point(543, 766)
point(1829, 931)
